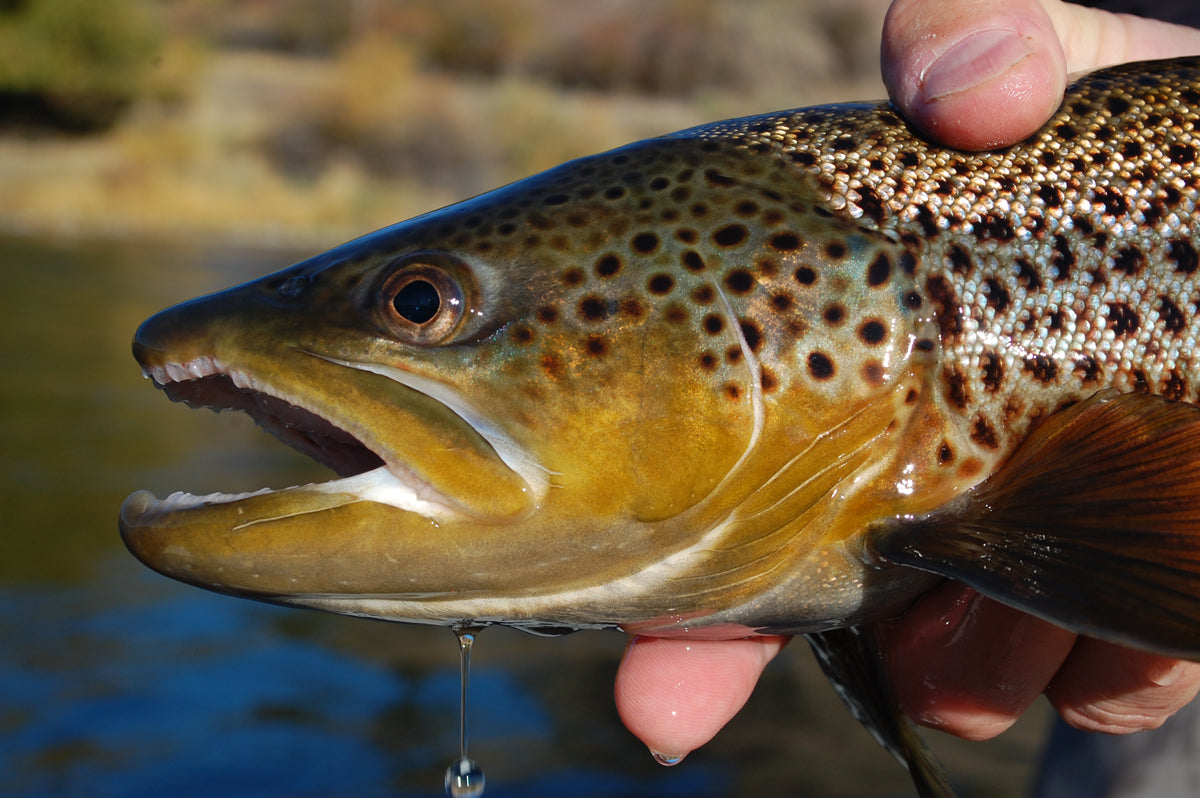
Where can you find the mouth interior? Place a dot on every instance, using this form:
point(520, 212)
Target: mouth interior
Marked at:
point(298, 428)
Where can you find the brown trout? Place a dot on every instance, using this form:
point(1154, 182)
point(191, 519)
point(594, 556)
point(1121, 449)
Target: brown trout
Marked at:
point(774, 374)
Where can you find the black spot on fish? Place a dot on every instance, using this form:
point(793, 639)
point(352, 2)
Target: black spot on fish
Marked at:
point(659, 183)
point(1116, 104)
point(1123, 319)
point(644, 243)
point(1182, 154)
point(608, 266)
point(660, 284)
point(957, 393)
point(1170, 314)
point(960, 260)
point(596, 345)
point(732, 391)
point(730, 235)
point(782, 302)
point(687, 235)
point(1063, 258)
point(835, 250)
point(870, 204)
point(557, 199)
point(909, 159)
point(739, 281)
point(521, 335)
point(844, 144)
point(1027, 275)
point(1041, 367)
point(1129, 261)
point(713, 324)
point(984, 434)
point(880, 270)
point(805, 275)
point(746, 208)
point(1183, 252)
point(708, 361)
point(834, 314)
point(913, 301)
point(872, 332)
point(1066, 131)
point(1130, 149)
point(593, 308)
point(820, 366)
point(692, 261)
point(804, 158)
point(573, 277)
point(614, 192)
point(945, 453)
point(997, 294)
point(1175, 386)
point(547, 314)
point(752, 333)
point(994, 228)
point(947, 307)
point(784, 242)
point(993, 371)
point(704, 294)
point(768, 380)
point(733, 354)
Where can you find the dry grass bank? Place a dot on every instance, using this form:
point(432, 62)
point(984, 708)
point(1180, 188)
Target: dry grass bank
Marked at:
point(290, 122)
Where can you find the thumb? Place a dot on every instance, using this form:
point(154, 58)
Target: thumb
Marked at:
point(973, 74)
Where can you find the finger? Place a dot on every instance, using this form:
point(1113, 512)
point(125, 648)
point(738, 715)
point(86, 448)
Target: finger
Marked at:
point(968, 665)
point(675, 694)
point(1092, 38)
point(1107, 688)
point(973, 74)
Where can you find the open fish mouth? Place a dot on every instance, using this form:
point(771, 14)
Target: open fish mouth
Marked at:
point(364, 472)
point(299, 428)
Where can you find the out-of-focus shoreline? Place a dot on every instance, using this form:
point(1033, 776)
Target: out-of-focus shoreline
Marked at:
point(267, 147)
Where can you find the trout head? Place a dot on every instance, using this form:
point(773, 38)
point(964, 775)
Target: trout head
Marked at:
point(659, 388)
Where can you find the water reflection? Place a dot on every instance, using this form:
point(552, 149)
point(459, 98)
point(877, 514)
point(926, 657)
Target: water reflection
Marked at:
point(117, 682)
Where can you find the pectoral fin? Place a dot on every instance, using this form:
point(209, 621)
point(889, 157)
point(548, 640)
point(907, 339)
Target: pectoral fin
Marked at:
point(850, 659)
point(1092, 524)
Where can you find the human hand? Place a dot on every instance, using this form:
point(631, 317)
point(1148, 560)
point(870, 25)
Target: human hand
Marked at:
point(973, 74)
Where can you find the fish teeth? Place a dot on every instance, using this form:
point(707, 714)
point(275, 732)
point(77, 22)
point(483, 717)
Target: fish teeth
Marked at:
point(195, 369)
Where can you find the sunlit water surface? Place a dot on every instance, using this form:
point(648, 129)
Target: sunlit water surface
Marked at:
point(117, 682)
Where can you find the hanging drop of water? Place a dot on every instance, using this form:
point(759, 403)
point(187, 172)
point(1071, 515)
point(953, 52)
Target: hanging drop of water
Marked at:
point(666, 759)
point(464, 778)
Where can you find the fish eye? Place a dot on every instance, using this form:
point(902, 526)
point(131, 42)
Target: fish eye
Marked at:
point(422, 300)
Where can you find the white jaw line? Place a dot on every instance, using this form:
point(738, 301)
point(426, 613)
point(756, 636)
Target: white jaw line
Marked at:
point(381, 485)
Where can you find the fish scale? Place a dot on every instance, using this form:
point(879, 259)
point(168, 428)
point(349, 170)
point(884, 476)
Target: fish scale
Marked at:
point(778, 374)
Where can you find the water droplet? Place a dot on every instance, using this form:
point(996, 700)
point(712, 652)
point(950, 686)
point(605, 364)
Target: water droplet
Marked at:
point(667, 759)
point(464, 779)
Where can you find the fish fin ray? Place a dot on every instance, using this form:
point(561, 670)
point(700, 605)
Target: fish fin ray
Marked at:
point(1093, 524)
point(850, 659)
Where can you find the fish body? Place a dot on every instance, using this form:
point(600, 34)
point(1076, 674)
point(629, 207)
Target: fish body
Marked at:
point(773, 374)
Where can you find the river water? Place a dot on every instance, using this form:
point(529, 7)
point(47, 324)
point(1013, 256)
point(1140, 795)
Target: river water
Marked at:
point(115, 681)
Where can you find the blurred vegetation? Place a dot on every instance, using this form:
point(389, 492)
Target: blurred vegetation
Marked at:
point(73, 65)
point(316, 119)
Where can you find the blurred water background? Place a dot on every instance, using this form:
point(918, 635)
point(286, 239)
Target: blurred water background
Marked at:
point(153, 151)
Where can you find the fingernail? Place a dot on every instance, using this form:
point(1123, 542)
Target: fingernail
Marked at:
point(978, 57)
point(666, 760)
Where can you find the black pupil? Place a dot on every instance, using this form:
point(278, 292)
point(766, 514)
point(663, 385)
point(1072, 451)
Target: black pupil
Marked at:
point(417, 301)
